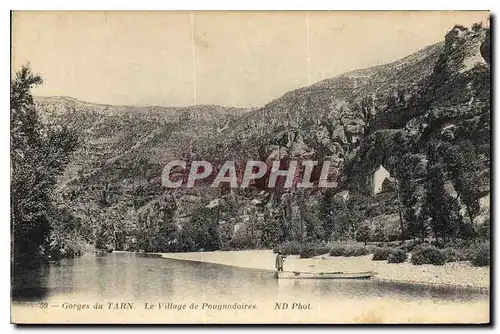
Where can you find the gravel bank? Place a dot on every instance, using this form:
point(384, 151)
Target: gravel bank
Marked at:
point(456, 274)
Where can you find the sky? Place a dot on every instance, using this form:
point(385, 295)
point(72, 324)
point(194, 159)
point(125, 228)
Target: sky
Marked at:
point(241, 59)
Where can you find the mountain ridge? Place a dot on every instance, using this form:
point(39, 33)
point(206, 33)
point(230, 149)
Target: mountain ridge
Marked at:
point(438, 93)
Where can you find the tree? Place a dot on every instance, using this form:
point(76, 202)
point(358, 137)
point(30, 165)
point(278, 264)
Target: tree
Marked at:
point(345, 218)
point(28, 219)
point(309, 217)
point(326, 214)
point(204, 229)
point(272, 229)
point(456, 225)
point(440, 206)
point(157, 231)
point(408, 193)
point(38, 156)
point(464, 166)
point(406, 185)
point(339, 218)
point(477, 26)
point(435, 201)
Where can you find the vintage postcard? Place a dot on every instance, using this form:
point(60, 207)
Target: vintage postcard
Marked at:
point(232, 167)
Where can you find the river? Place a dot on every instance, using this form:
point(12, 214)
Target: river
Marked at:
point(137, 288)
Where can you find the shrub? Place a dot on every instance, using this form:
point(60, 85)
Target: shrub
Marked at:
point(311, 250)
point(458, 244)
point(422, 245)
point(397, 255)
point(240, 242)
point(337, 250)
point(349, 250)
point(185, 242)
point(289, 248)
point(381, 253)
point(363, 233)
point(454, 254)
point(360, 251)
point(428, 255)
point(480, 254)
point(409, 245)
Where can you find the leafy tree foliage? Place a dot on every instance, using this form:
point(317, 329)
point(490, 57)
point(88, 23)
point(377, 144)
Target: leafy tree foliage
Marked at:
point(326, 214)
point(204, 229)
point(273, 230)
point(38, 156)
point(441, 208)
point(465, 167)
point(408, 193)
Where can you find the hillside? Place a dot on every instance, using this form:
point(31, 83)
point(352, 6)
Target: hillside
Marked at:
point(358, 120)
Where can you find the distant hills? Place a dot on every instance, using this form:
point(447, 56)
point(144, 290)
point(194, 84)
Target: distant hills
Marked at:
point(356, 119)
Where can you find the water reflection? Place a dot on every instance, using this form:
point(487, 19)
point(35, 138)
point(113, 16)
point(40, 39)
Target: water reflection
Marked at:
point(146, 277)
point(29, 283)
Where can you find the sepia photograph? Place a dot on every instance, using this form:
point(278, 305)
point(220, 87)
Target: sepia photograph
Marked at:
point(250, 167)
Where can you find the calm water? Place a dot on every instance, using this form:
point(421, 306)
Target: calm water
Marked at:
point(125, 277)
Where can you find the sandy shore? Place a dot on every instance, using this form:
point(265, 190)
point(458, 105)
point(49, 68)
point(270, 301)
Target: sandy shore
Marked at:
point(456, 274)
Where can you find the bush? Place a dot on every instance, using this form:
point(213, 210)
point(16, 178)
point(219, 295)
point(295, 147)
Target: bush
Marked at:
point(458, 244)
point(363, 233)
point(349, 250)
point(311, 250)
point(421, 246)
point(185, 242)
point(454, 254)
point(240, 242)
point(337, 250)
point(381, 253)
point(360, 251)
point(409, 245)
point(428, 254)
point(397, 255)
point(480, 254)
point(288, 248)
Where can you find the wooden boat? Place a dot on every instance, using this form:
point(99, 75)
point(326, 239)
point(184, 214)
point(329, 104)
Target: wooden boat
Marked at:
point(323, 275)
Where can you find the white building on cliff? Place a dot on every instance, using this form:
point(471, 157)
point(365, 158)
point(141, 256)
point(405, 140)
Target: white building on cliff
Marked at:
point(377, 179)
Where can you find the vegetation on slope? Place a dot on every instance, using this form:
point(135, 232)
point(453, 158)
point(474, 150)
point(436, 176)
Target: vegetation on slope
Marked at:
point(424, 117)
point(38, 155)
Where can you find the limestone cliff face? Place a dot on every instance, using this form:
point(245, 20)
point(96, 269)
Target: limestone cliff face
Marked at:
point(354, 120)
point(452, 105)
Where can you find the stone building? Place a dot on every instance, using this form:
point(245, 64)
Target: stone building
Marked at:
point(377, 178)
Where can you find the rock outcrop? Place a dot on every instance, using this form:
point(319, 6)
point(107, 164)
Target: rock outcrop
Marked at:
point(355, 120)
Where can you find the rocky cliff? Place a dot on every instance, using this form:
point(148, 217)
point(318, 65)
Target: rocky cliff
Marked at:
point(356, 120)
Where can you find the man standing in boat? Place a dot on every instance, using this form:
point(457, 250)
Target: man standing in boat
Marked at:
point(280, 260)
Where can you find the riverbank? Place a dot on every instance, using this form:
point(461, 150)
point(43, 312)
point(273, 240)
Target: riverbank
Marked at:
point(455, 274)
